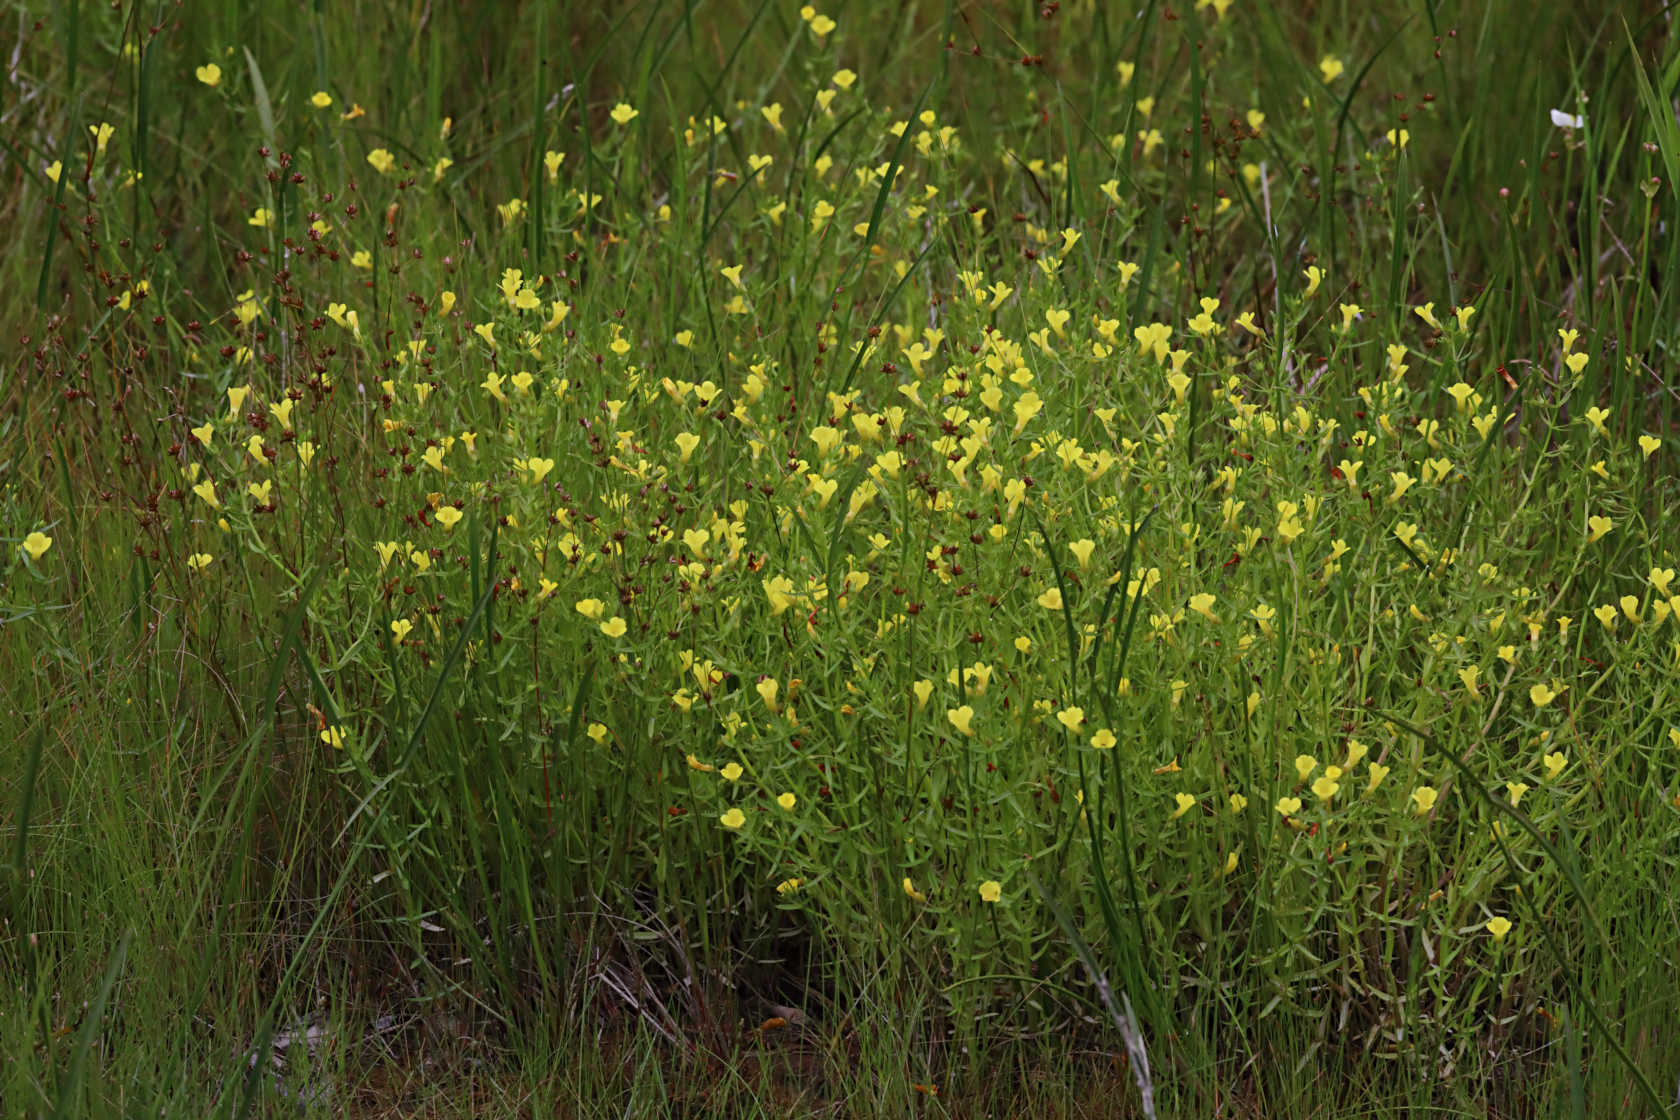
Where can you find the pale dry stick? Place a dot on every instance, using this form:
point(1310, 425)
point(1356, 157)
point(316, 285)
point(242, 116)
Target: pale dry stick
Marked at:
point(1131, 1035)
point(620, 988)
point(683, 974)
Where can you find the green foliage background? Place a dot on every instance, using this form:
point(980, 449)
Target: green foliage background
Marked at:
point(240, 795)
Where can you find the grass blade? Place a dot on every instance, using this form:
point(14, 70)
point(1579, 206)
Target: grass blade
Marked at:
point(70, 1086)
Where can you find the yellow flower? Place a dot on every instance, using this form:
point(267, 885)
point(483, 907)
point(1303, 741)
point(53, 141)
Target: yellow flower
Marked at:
point(826, 439)
point(733, 819)
point(1315, 276)
point(1402, 483)
point(787, 801)
point(779, 590)
point(1540, 695)
point(731, 772)
point(1025, 408)
point(321, 100)
point(1051, 600)
point(1185, 802)
point(1325, 788)
point(1202, 604)
point(821, 25)
point(1554, 762)
point(1331, 67)
point(686, 443)
point(768, 689)
point(210, 74)
point(448, 517)
point(1516, 790)
point(622, 114)
point(1071, 718)
point(1288, 806)
point(788, 886)
point(261, 218)
point(1202, 324)
point(400, 628)
point(1103, 739)
point(1377, 773)
point(1660, 578)
point(333, 738)
point(614, 627)
point(962, 718)
point(991, 890)
point(1424, 798)
point(381, 160)
point(36, 544)
point(1498, 927)
point(199, 561)
point(1238, 803)
point(1304, 764)
point(911, 891)
point(597, 732)
point(591, 609)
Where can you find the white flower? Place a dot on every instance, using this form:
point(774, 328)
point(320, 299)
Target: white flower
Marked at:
point(1566, 120)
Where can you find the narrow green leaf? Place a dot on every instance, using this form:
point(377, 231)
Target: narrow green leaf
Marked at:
point(265, 108)
point(70, 1085)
